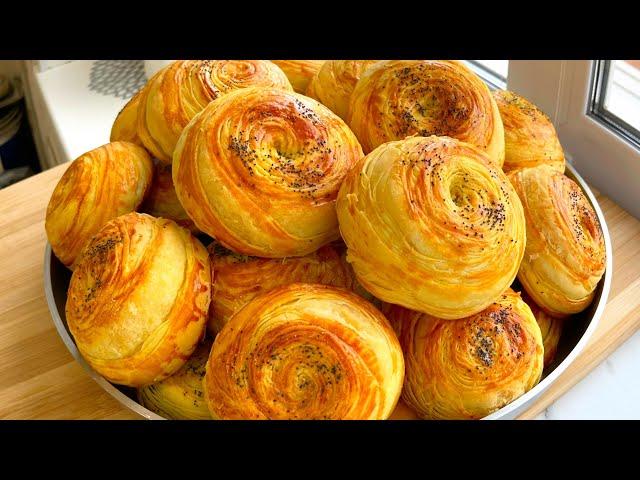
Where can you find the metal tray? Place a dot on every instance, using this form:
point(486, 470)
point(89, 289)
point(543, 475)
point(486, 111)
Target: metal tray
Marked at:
point(574, 337)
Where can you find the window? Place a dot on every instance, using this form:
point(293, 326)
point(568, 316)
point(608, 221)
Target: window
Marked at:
point(616, 96)
point(595, 106)
point(494, 72)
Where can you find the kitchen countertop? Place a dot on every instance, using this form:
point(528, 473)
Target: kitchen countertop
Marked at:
point(40, 379)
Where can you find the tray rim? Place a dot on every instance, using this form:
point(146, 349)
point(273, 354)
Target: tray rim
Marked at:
point(509, 411)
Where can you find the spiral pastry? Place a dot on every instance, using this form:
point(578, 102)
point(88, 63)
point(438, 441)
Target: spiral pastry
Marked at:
point(98, 186)
point(565, 255)
point(162, 201)
point(305, 351)
point(180, 396)
point(550, 328)
point(181, 90)
point(138, 299)
point(335, 81)
point(238, 279)
point(529, 136)
point(125, 126)
point(469, 368)
point(260, 168)
point(433, 225)
point(299, 72)
point(399, 98)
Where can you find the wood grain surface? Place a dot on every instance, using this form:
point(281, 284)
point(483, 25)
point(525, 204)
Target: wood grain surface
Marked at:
point(39, 379)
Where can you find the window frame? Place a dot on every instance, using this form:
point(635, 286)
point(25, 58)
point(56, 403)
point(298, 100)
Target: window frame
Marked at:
point(564, 90)
point(599, 88)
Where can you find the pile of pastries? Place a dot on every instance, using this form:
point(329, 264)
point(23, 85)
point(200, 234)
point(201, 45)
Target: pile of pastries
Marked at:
point(308, 239)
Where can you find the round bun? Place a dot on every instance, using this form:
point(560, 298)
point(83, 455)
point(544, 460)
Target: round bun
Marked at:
point(259, 170)
point(181, 90)
point(334, 83)
point(550, 327)
point(162, 201)
point(399, 98)
point(565, 255)
point(433, 225)
point(125, 126)
point(98, 186)
point(305, 351)
point(238, 279)
point(299, 72)
point(529, 136)
point(469, 368)
point(180, 396)
point(138, 299)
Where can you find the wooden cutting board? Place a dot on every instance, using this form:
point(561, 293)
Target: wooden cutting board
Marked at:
point(40, 379)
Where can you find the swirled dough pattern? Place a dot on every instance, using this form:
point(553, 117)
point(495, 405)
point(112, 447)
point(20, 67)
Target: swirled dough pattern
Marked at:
point(433, 225)
point(334, 83)
point(305, 351)
point(395, 99)
point(529, 136)
point(259, 170)
point(565, 256)
point(469, 368)
point(179, 91)
point(180, 396)
point(138, 299)
point(98, 186)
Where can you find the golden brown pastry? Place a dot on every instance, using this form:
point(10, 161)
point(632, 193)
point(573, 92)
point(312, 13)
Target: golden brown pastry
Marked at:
point(334, 83)
point(240, 278)
point(98, 186)
point(432, 224)
point(259, 171)
point(529, 136)
point(178, 92)
point(180, 396)
point(162, 201)
point(469, 368)
point(565, 255)
point(551, 329)
point(138, 299)
point(399, 98)
point(299, 72)
point(305, 351)
point(125, 127)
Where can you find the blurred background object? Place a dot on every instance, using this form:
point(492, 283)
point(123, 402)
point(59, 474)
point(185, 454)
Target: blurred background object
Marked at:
point(18, 157)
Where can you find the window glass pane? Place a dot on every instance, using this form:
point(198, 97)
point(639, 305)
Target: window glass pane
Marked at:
point(493, 72)
point(622, 92)
point(498, 67)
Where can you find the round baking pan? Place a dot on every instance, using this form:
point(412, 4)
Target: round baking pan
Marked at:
point(575, 335)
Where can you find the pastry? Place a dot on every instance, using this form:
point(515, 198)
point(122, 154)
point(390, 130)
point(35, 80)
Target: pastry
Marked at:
point(125, 126)
point(469, 368)
point(162, 201)
point(550, 327)
point(334, 83)
point(180, 396)
point(240, 278)
point(299, 72)
point(98, 186)
point(138, 299)
point(178, 92)
point(399, 98)
point(529, 136)
point(565, 256)
point(305, 351)
point(259, 170)
point(432, 224)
